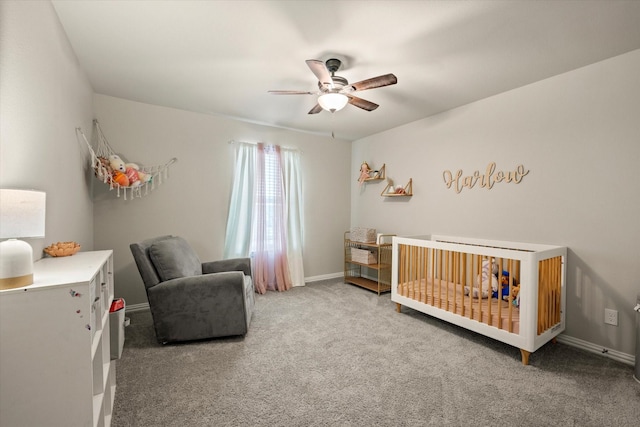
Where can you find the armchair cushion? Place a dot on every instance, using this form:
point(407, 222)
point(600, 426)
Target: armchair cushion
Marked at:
point(174, 258)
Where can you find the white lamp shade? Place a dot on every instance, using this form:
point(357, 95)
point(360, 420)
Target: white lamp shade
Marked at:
point(22, 213)
point(333, 101)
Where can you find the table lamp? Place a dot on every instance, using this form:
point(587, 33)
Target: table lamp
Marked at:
point(22, 215)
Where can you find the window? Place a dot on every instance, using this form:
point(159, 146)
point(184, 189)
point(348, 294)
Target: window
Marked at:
point(265, 219)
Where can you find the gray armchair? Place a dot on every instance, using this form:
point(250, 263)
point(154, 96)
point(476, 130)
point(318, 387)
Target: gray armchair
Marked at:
point(190, 300)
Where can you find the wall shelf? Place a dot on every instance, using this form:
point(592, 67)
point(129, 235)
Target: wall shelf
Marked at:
point(389, 190)
point(378, 175)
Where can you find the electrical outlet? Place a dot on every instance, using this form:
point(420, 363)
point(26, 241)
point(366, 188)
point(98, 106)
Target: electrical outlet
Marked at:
point(611, 317)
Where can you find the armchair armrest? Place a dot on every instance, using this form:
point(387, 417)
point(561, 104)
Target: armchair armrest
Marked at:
point(211, 285)
point(233, 264)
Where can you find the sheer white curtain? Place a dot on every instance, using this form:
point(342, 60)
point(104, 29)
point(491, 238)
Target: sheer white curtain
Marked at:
point(295, 221)
point(265, 215)
point(238, 236)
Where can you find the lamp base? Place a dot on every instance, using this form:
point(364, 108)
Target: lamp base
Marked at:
point(16, 282)
point(16, 264)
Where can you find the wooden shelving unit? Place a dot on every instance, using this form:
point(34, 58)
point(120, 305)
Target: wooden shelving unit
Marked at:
point(375, 276)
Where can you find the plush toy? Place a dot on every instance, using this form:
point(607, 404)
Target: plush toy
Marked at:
point(504, 292)
point(120, 179)
point(365, 172)
point(144, 177)
point(486, 280)
point(116, 163)
point(132, 175)
point(141, 177)
point(515, 294)
point(103, 170)
point(390, 188)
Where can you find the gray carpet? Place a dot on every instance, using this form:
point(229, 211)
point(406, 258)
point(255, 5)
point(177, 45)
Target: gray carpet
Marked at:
point(331, 354)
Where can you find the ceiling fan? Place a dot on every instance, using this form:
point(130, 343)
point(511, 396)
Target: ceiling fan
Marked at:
point(335, 91)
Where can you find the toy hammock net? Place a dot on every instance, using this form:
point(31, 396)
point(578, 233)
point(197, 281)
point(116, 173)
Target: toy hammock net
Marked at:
point(131, 178)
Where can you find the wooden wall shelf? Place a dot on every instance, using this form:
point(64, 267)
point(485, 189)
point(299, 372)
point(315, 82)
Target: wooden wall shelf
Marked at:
point(408, 190)
point(378, 175)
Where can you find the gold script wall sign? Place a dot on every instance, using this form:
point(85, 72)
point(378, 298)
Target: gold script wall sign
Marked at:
point(487, 180)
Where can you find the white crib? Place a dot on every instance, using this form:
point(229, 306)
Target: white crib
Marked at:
point(442, 276)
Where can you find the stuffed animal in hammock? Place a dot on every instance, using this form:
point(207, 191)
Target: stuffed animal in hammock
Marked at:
point(103, 169)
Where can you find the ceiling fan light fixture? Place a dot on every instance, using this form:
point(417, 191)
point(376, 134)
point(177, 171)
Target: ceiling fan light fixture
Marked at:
point(333, 101)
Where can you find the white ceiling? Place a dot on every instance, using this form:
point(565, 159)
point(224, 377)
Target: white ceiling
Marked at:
point(221, 57)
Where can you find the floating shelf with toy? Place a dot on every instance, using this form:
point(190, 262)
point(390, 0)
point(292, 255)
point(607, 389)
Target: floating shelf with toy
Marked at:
point(398, 191)
point(367, 174)
point(126, 177)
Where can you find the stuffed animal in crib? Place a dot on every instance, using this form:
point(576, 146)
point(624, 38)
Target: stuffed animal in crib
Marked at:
point(485, 281)
point(504, 285)
point(515, 294)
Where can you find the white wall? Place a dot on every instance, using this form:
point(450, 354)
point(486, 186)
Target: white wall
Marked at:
point(579, 136)
point(194, 201)
point(44, 97)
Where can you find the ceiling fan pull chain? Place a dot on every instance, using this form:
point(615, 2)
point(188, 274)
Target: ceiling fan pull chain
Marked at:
point(332, 134)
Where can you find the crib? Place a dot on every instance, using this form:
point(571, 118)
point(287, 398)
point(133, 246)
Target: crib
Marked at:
point(511, 292)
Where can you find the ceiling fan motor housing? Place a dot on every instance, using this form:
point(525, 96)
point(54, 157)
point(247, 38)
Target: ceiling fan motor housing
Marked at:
point(333, 65)
point(338, 84)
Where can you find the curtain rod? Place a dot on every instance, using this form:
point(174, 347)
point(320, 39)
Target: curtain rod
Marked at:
point(233, 141)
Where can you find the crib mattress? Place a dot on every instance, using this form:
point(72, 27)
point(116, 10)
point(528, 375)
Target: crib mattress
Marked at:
point(450, 296)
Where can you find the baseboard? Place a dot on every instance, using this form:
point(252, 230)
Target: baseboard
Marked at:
point(137, 307)
point(323, 277)
point(625, 358)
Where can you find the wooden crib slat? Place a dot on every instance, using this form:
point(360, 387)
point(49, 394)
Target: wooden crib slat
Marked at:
point(433, 274)
point(510, 300)
point(403, 270)
point(441, 273)
point(500, 269)
point(464, 281)
point(456, 279)
point(558, 281)
point(555, 297)
point(412, 289)
point(541, 301)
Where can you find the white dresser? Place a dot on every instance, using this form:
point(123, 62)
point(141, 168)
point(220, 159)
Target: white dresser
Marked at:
point(55, 367)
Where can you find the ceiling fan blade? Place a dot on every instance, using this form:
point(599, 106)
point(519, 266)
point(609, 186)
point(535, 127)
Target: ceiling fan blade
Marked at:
point(315, 110)
point(320, 70)
point(372, 83)
point(362, 103)
point(291, 92)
